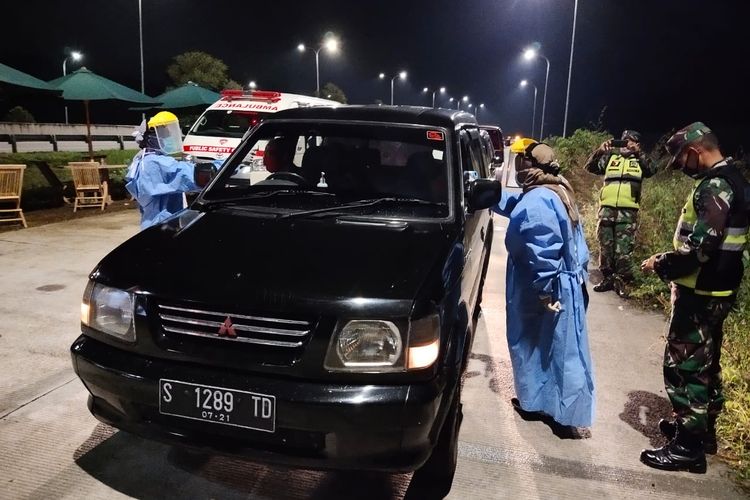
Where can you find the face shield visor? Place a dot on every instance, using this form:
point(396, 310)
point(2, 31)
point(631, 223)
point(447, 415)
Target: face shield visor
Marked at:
point(169, 137)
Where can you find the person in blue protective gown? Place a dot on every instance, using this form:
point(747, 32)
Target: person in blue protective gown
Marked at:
point(546, 292)
point(156, 180)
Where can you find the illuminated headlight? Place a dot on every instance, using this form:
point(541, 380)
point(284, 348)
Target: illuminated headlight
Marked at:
point(108, 310)
point(366, 345)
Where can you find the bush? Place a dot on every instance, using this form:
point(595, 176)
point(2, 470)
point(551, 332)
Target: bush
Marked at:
point(19, 115)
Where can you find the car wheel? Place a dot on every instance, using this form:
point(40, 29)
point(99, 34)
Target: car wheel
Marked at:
point(434, 479)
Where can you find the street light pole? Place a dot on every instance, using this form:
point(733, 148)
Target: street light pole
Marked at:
point(533, 112)
point(544, 101)
point(140, 37)
point(401, 75)
point(529, 54)
point(570, 68)
point(76, 56)
point(317, 72)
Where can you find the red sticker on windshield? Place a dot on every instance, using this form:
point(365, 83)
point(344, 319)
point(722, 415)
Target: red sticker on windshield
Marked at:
point(435, 135)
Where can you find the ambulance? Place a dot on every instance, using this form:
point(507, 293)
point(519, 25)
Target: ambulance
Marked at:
point(220, 128)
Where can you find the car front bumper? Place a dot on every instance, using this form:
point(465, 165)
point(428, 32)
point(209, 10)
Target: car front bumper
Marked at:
point(318, 425)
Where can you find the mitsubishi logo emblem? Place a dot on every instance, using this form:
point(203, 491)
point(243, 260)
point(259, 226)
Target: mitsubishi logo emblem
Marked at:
point(227, 328)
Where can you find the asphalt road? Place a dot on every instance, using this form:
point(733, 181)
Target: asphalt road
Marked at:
point(51, 447)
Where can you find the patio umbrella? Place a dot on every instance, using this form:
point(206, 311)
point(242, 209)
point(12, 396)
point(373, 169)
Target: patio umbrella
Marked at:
point(83, 85)
point(14, 80)
point(186, 96)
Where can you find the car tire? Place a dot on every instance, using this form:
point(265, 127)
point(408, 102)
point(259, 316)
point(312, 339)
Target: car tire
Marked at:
point(434, 479)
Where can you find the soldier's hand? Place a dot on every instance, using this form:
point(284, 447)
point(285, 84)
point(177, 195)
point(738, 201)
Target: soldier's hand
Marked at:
point(647, 266)
point(606, 146)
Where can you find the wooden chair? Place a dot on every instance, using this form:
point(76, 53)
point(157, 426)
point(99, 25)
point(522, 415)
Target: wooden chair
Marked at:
point(91, 191)
point(11, 183)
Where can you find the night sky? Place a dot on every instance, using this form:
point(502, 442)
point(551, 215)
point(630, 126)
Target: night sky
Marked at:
point(654, 64)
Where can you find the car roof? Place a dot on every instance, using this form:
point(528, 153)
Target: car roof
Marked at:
point(438, 117)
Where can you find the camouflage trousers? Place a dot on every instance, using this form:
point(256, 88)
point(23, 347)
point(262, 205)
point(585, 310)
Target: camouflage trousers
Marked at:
point(692, 370)
point(616, 234)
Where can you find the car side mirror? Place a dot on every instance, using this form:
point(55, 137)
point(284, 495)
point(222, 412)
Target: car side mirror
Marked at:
point(203, 174)
point(483, 193)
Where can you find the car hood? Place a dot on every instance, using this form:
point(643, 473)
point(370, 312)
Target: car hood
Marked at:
point(249, 261)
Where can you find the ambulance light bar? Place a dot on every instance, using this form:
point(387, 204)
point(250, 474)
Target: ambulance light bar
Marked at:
point(256, 95)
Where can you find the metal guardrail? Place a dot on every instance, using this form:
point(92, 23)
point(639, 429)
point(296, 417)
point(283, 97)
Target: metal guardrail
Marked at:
point(54, 139)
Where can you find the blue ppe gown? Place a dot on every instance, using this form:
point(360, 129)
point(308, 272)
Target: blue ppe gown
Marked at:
point(549, 351)
point(157, 182)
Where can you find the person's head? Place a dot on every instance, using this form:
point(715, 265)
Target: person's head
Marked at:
point(634, 139)
point(694, 149)
point(278, 155)
point(163, 133)
point(534, 156)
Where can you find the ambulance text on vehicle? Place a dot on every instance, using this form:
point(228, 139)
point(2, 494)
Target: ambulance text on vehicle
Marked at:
point(220, 128)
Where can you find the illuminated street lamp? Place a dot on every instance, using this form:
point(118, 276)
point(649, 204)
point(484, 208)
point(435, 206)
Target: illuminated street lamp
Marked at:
point(524, 84)
point(476, 109)
point(331, 45)
point(401, 75)
point(463, 99)
point(75, 56)
point(252, 85)
point(530, 54)
point(441, 90)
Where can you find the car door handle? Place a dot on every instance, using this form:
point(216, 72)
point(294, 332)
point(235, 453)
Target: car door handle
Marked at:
point(481, 233)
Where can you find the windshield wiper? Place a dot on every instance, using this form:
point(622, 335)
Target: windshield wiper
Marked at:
point(250, 197)
point(363, 203)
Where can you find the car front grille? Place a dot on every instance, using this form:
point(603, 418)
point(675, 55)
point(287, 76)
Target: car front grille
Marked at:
point(233, 327)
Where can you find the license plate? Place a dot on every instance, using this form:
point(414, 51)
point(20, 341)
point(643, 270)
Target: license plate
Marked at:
point(217, 405)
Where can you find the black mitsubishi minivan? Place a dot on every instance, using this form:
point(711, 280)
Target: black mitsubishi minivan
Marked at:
point(317, 312)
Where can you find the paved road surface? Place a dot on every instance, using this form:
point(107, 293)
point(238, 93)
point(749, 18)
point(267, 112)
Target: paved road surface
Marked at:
point(51, 447)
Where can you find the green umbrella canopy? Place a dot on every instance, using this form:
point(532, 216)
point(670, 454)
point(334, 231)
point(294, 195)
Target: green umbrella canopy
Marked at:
point(83, 85)
point(13, 77)
point(188, 95)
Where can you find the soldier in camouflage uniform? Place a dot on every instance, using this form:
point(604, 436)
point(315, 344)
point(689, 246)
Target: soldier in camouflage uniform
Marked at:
point(619, 200)
point(705, 269)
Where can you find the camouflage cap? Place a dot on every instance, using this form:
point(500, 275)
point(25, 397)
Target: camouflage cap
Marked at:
point(682, 138)
point(633, 135)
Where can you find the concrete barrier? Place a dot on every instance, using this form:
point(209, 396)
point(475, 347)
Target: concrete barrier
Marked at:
point(33, 137)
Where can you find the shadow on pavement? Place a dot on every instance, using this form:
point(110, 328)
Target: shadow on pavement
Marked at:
point(642, 412)
point(149, 470)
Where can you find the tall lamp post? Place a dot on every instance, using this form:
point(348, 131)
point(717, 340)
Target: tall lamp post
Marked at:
point(531, 54)
point(76, 56)
point(523, 84)
point(463, 99)
point(570, 68)
point(401, 75)
point(331, 44)
point(441, 90)
point(476, 110)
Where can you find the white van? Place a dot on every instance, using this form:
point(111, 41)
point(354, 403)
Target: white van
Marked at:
point(220, 128)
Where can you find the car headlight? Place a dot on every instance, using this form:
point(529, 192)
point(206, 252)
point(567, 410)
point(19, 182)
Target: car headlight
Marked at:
point(366, 345)
point(377, 346)
point(108, 310)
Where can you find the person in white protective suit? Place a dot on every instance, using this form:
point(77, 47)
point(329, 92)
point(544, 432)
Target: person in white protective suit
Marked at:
point(546, 294)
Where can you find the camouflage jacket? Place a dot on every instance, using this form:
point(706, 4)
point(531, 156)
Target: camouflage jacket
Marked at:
point(712, 199)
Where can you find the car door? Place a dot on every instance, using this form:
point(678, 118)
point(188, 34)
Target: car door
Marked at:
point(475, 223)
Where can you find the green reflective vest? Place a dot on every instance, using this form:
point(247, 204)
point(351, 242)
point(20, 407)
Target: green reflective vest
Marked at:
point(721, 275)
point(622, 183)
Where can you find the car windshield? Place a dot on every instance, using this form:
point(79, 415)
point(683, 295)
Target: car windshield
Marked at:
point(229, 123)
point(361, 169)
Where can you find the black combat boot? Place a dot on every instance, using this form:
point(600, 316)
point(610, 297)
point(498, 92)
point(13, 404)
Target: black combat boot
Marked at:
point(605, 285)
point(684, 452)
point(669, 428)
point(619, 286)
